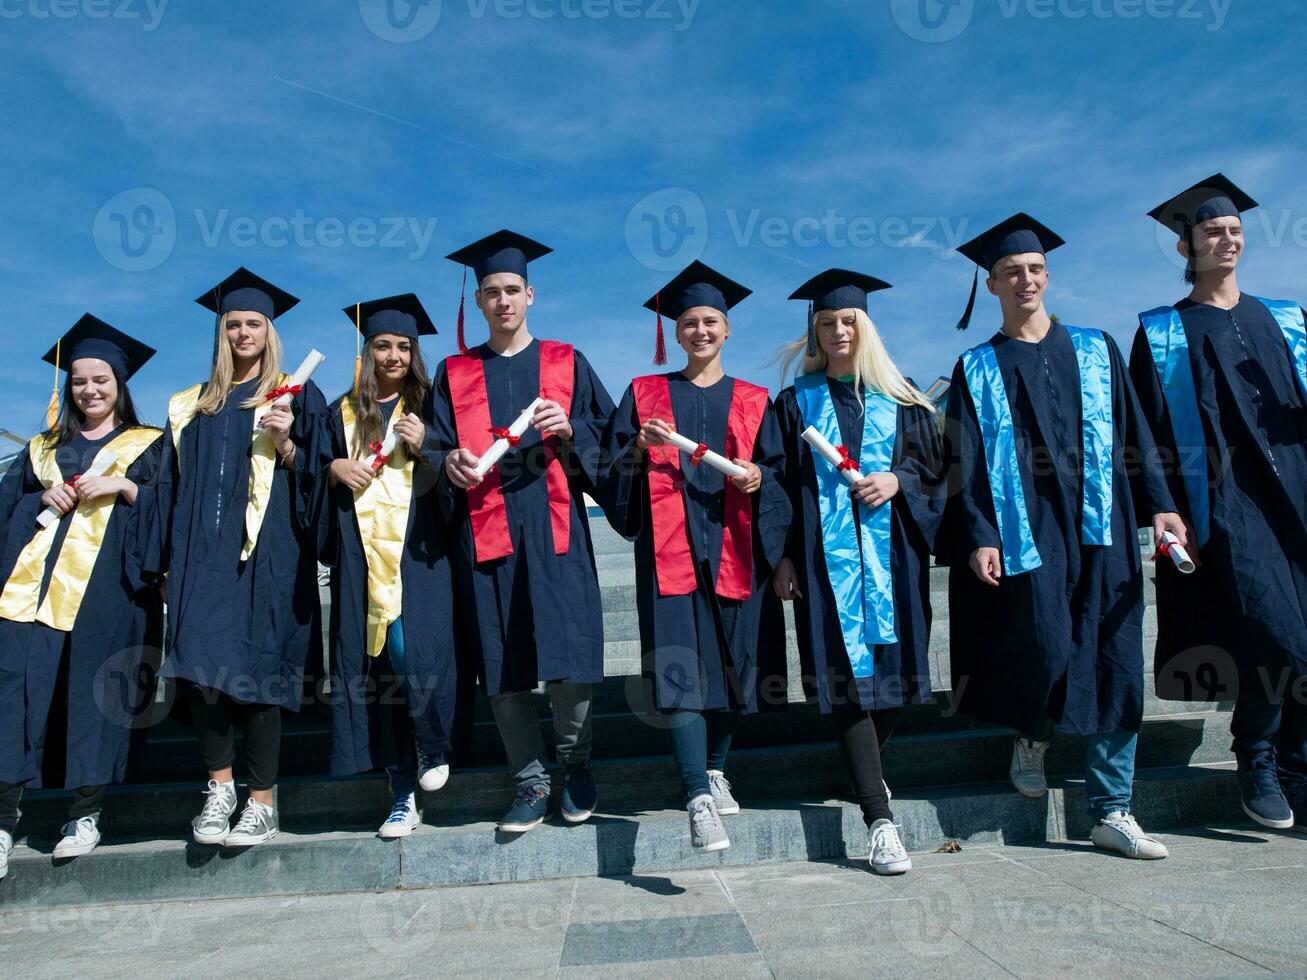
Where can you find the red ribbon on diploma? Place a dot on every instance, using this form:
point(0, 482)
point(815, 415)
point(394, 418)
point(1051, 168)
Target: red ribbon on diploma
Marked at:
point(378, 460)
point(499, 432)
point(845, 462)
point(276, 393)
point(73, 481)
point(699, 452)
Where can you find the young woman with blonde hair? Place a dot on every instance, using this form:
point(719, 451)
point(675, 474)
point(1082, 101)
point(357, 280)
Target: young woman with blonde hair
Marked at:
point(857, 560)
point(237, 536)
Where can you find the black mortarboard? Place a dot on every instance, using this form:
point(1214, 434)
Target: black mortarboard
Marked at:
point(92, 337)
point(243, 290)
point(504, 251)
point(1017, 235)
point(835, 289)
point(695, 285)
point(1215, 197)
point(402, 315)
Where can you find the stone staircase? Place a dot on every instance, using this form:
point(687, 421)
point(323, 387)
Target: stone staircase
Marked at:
point(949, 777)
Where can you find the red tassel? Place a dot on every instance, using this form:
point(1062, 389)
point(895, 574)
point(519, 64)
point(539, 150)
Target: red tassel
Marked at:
point(462, 296)
point(660, 348)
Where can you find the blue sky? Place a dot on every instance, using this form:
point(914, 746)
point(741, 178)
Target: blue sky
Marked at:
point(342, 148)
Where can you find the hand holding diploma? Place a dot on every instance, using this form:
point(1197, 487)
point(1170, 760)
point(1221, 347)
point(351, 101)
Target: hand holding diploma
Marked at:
point(62, 498)
point(505, 439)
point(1171, 537)
point(872, 490)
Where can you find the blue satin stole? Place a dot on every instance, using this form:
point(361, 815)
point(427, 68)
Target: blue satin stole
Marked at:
point(858, 554)
point(994, 413)
point(1169, 345)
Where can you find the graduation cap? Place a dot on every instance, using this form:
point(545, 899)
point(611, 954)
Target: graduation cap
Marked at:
point(243, 290)
point(695, 285)
point(1215, 197)
point(1017, 235)
point(504, 251)
point(402, 315)
point(92, 337)
point(835, 289)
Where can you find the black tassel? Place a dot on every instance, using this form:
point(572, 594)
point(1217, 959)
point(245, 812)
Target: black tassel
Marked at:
point(971, 302)
point(812, 332)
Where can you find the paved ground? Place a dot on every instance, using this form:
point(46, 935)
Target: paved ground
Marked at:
point(1229, 902)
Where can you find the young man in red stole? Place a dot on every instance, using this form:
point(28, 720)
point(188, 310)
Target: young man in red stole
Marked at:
point(524, 570)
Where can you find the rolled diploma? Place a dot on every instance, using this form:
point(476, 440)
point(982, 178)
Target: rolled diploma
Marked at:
point(719, 463)
point(1171, 547)
point(832, 455)
point(301, 375)
point(500, 446)
point(99, 467)
point(388, 445)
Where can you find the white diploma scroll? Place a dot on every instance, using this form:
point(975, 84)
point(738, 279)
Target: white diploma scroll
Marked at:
point(388, 445)
point(821, 444)
point(102, 464)
point(1172, 549)
point(301, 375)
point(717, 462)
point(500, 446)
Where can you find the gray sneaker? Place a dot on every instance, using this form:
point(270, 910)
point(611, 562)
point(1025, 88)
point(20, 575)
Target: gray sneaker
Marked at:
point(258, 823)
point(720, 787)
point(6, 848)
point(1027, 769)
point(706, 830)
point(210, 827)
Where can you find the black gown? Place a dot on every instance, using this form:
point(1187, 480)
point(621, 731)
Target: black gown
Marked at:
point(533, 615)
point(700, 651)
point(368, 702)
point(1244, 611)
point(902, 669)
point(69, 702)
point(246, 628)
point(1064, 641)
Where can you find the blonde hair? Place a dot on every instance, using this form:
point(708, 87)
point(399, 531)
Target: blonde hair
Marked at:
point(872, 367)
point(214, 397)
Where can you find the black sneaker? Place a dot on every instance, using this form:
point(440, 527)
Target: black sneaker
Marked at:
point(1259, 787)
point(580, 797)
point(528, 810)
point(1296, 793)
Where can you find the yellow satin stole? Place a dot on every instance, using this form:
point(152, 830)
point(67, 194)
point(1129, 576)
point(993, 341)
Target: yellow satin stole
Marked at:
point(381, 511)
point(263, 458)
point(21, 600)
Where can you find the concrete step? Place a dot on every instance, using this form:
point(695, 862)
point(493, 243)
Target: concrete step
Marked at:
point(613, 842)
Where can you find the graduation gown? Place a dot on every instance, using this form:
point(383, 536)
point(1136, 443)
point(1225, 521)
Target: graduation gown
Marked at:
point(1065, 640)
point(246, 628)
point(533, 615)
point(368, 701)
point(68, 699)
point(902, 669)
point(1244, 611)
point(700, 651)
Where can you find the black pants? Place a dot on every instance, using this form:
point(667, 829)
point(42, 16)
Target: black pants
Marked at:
point(861, 735)
point(87, 800)
point(700, 741)
point(1265, 720)
point(215, 714)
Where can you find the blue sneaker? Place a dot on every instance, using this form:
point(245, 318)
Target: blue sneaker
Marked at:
point(528, 810)
point(1295, 791)
point(1259, 787)
point(580, 797)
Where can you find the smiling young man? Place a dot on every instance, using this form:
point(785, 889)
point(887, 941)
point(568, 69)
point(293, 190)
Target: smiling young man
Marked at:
point(1046, 583)
point(1222, 378)
point(523, 562)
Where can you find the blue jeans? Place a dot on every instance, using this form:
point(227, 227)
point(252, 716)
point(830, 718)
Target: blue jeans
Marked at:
point(1110, 772)
point(403, 777)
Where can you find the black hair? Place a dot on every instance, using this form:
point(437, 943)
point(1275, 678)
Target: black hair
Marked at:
point(71, 420)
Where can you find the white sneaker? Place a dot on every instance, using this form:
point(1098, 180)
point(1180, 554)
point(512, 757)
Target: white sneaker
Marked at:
point(1027, 769)
point(210, 827)
point(706, 831)
point(6, 848)
point(888, 855)
point(433, 778)
point(258, 823)
point(1120, 832)
point(722, 798)
point(80, 837)
point(403, 820)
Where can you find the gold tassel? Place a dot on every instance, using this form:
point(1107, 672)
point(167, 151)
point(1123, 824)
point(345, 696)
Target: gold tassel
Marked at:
point(52, 410)
point(358, 350)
